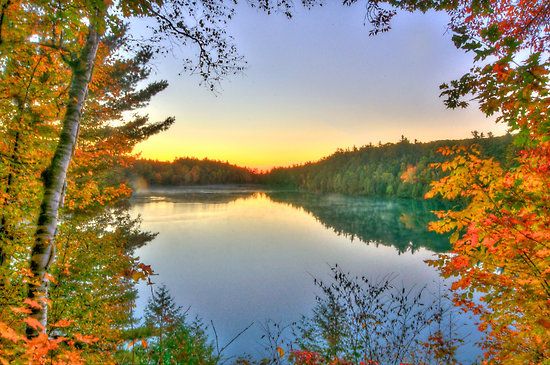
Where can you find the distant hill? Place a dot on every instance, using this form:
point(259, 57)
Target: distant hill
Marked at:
point(375, 170)
point(371, 170)
point(185, 172)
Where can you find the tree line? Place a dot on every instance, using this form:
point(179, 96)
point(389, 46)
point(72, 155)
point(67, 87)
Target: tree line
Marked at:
point(187, 171)
point(401, 169)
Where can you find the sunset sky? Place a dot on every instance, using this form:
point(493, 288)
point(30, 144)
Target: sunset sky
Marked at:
point(313, 84)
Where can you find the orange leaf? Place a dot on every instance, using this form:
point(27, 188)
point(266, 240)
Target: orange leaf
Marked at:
point(86, 338)
point(20, 310)
point(62, 323)
point(49, 277)
point(34, 323)
point(9, 333)
point(32, 303)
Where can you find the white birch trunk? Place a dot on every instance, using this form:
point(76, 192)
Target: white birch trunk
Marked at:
point(43, 250)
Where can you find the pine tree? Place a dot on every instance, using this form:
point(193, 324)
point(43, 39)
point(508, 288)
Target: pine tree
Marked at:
point(173, 340)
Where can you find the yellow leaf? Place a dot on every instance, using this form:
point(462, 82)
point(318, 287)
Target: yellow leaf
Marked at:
point(136, 276)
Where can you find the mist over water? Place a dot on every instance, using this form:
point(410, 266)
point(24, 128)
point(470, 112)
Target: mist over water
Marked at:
point(242, 255)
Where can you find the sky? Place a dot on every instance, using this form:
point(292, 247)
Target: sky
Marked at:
point(313, 84)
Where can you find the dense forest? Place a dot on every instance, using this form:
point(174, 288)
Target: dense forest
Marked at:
point(186, 171)
point(399, 169)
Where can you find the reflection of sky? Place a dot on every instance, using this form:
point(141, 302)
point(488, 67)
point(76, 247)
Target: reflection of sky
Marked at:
point(252, 259)
point(313, 84)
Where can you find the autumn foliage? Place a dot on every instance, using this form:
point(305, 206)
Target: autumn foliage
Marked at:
point(500, 227)
point(90, 288)
point(501, 224)
point(500, 257)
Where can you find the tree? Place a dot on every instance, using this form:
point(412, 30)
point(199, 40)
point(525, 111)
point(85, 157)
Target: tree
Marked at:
point(93, 288)
point(91, 185)
point(171, 339)
point(71, 35)
point(42, 253)
point(500, 237)
point(162, 316)
point(500, 249)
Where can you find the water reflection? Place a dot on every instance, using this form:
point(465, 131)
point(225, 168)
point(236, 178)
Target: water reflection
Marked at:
point(238, 256)
point(195, 194)
point(400, 223)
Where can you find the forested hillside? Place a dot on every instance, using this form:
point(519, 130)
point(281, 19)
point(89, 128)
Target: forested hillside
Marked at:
point(399, 169)
point(187, 171)
point(393, 169)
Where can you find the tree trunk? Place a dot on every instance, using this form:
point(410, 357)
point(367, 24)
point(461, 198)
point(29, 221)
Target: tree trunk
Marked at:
point(43, 250)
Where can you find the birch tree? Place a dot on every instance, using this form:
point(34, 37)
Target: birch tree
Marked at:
point(73, 33)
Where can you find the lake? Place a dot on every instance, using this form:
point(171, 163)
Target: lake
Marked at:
point(243, 255)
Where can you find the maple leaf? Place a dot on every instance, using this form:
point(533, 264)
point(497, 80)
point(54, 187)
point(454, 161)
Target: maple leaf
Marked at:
point(20, 310)
point(63, 323)
point(32, 303)
point(88, 339)
point(9, 333)
point(34, 323)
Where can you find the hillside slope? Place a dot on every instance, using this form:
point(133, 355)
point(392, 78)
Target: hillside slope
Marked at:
point(376, 170)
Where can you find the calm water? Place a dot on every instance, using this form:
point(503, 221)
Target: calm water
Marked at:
point(237, 256)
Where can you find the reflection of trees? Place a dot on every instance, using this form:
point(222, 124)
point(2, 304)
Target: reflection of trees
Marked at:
point(400, 223)
point(206, 195)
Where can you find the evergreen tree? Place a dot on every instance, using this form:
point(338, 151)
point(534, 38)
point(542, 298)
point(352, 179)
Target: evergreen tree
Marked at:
point(162, 314)
point(173, 340)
